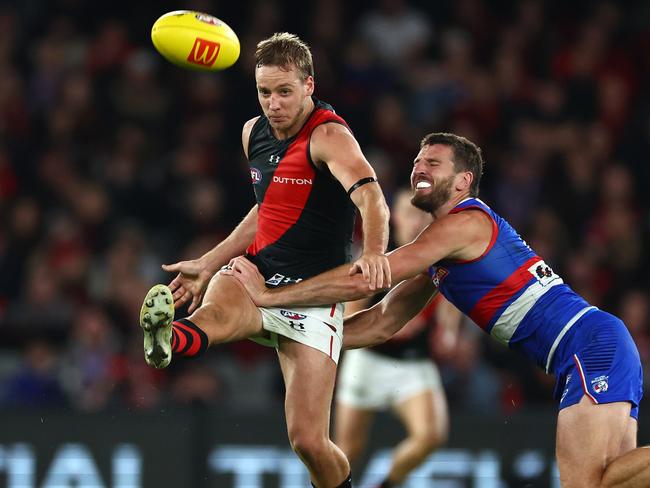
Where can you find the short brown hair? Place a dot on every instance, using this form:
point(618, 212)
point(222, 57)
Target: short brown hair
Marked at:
point(467, 156)
point(284, 49)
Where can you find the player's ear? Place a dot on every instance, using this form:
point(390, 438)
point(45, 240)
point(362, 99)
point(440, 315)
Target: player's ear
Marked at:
point(309, 85)
point(464, 180)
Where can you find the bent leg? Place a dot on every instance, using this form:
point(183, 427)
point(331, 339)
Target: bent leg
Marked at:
point(596, 447)
point(632, 468)
point(426, 419)
point(351, 427)
point(309, 377)
point(227, 313)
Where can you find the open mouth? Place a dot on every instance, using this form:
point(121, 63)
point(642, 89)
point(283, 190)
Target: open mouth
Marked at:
point(421, 185)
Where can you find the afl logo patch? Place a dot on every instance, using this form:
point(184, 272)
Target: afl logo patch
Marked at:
point(256, 176)
point(292, 315)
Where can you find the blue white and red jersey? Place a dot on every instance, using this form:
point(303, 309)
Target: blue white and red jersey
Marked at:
point(510, 292)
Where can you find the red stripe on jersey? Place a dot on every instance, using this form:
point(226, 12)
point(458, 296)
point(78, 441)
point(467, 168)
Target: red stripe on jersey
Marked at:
point(331, 344)
point(487, 306)
point(333, 309)
point(286, 196)
point(290, 187)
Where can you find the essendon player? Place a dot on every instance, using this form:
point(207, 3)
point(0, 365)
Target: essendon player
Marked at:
point(482, 266)
point(308, 174)
point(399, 374)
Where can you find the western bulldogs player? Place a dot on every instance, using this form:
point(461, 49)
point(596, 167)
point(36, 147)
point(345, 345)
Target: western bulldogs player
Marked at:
point(399, 374)
point(481, 265)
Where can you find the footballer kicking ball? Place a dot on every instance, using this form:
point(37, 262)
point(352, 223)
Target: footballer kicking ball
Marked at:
point(195, 40)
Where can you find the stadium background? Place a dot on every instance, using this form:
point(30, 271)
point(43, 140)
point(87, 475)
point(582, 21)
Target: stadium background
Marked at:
point(112, 162)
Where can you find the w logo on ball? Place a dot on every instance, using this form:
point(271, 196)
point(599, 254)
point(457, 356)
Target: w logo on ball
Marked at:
point(204, 52)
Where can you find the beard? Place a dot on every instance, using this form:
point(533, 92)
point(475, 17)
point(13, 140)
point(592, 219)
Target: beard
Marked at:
point(436, 198)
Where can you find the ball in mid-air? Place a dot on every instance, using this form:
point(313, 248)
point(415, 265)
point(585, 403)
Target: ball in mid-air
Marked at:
point(195, 40)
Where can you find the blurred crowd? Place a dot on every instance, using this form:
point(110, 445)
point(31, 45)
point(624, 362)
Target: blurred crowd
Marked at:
point(113, 161)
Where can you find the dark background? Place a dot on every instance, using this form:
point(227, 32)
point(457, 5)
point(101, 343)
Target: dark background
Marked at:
point(113, 161)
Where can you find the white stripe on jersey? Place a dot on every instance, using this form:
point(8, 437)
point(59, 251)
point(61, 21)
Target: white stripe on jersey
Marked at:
point(564, 330)
point(507, 323)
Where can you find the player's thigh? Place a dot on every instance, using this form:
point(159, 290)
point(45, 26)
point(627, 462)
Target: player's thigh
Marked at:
point(425, 414)
point(351, 427)
point(589, 436)
point(228, 305)
point(309, 376)
point(630, 439)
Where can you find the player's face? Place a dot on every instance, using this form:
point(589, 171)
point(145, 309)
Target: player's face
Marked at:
point(433, 177)
point(284, 97)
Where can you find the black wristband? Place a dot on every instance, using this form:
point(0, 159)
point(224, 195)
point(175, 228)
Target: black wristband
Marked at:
point(361, 182)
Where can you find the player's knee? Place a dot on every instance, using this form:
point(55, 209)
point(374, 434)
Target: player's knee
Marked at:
point(215, 318)
point(307, 445)
point(431, 439)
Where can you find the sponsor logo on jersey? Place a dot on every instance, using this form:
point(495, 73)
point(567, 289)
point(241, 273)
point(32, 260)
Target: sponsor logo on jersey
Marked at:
point(437, 274)
point(544, 274)
point(292, 315)
point(543, 271)
point(599, 384)
point(204, 52)
point(292, 181)
point(256, 176)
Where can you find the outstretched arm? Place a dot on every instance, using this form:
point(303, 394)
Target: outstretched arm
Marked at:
point(194, 275)
point(454, 236)
point(378, 323)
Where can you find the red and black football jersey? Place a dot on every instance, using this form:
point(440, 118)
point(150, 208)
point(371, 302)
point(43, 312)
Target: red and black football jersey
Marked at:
point(305, 217)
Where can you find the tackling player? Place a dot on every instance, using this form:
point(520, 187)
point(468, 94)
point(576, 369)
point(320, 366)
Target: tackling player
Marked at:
point(398, 374)
point(481, 265)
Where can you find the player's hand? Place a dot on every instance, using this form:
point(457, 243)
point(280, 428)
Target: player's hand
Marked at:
point(190, 282)
point(249, 276)
point(375, 269)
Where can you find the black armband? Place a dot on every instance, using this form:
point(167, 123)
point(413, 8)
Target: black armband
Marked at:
point(361, 182)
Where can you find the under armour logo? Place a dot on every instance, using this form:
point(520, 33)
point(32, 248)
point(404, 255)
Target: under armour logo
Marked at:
point(297, 326)
point(274, 159)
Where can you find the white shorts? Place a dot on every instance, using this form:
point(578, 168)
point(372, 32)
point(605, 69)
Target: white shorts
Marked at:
point(317, 327)
point(373, 381)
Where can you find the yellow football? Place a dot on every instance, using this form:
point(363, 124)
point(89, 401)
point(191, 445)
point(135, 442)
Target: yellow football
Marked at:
point(195, 40)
